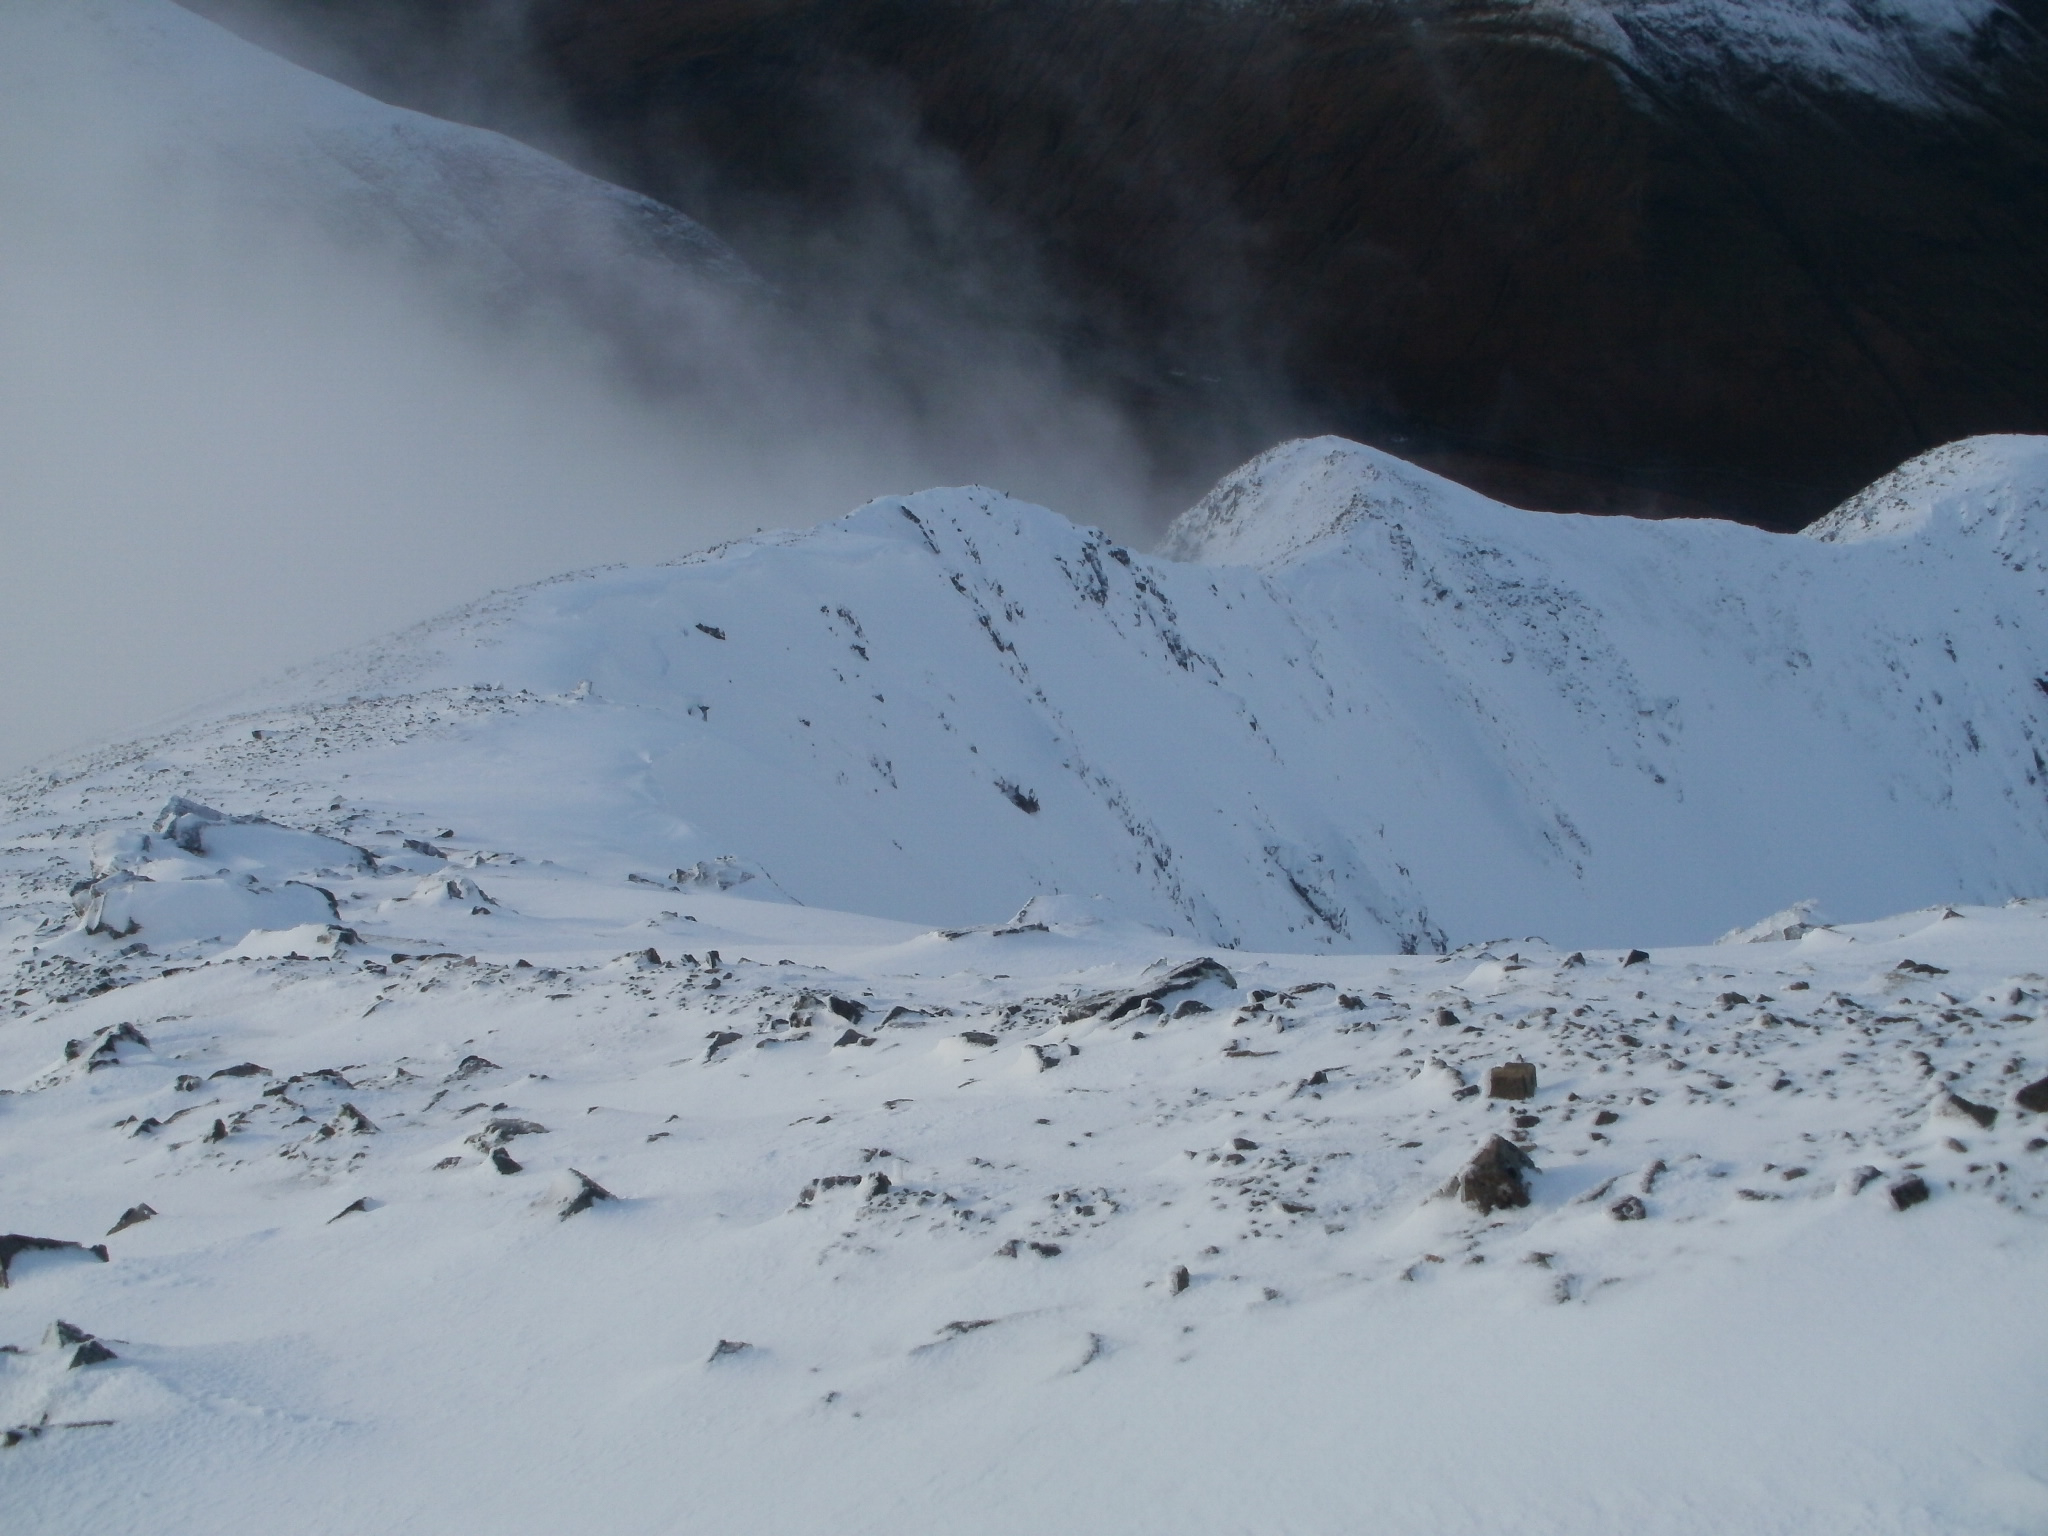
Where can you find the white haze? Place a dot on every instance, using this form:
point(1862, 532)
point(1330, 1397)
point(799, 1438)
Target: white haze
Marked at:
point(231, 441)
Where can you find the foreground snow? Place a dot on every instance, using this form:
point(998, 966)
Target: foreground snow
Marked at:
point(940, 1191)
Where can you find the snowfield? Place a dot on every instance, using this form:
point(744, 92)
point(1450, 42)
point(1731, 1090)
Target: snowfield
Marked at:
point(901, 1028)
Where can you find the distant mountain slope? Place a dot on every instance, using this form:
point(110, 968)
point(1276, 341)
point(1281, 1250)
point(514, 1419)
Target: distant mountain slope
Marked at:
point(227, 121)
point(1728, 256)
point(1364, 708)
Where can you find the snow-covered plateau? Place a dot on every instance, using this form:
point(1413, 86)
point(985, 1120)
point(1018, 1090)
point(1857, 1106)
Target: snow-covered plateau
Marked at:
point(944, 1022)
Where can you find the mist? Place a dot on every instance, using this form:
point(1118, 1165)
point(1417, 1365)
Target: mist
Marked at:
point(255, 408)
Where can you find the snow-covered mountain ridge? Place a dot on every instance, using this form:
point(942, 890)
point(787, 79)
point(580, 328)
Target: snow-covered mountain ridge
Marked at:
point(1361, 708)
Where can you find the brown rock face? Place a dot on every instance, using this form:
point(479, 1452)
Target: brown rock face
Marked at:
point(1571, 278)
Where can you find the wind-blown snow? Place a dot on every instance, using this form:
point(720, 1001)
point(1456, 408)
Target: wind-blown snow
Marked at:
point(505, 216)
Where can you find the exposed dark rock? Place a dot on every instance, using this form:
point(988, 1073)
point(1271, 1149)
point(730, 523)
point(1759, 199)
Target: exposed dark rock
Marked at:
point(1445, 1018)
point(456, 1162)
point(135, 1215)
point(246, 1069)
point(588, 1193)
point(354, 1121)
point(1244, 1144)
point(1605, 1117)
point(726, 1348)
point(103, 1048)
point(1180, 978)
point(84, 1349)
point(1515, 1080)
point(501, 1160)
point(218, 1133)
point(720, 1039)
point(1189, 1006)
point(1635, 957)
point(2033, 1098)
point(1909, 1192)
point(1628, 1208)
point(358, 1206)
point(1178, 1279)
point(470, 1066)
point(186, 1083)
point(499, 1130)
point(1915, 968)
point(977, 1037)
point(14, 1244)
point(1494, 1179)
point(1572, 959)
point(1046, 1250)
point(1954, 1107)
point(853, 1037)
point(1855, 1180)
point(847, 1008)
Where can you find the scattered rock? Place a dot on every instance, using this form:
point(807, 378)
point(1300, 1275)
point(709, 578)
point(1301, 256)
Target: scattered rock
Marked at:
point(1515, 1080)
point(84, 1348)
point(1628, 1208)
point(587, 1193)
point(1953, 1107)
point(496, 1132)
point(1909, 1192)
point(135, 1215)
point(14, 1244)
point(1494, 1180)
point(103, 1049)
point(354, 1121)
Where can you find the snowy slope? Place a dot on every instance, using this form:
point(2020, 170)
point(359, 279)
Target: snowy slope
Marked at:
point(230, 122)
point(1363, 709)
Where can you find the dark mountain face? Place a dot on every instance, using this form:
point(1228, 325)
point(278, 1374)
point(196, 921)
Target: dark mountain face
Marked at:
point(1617, 278)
